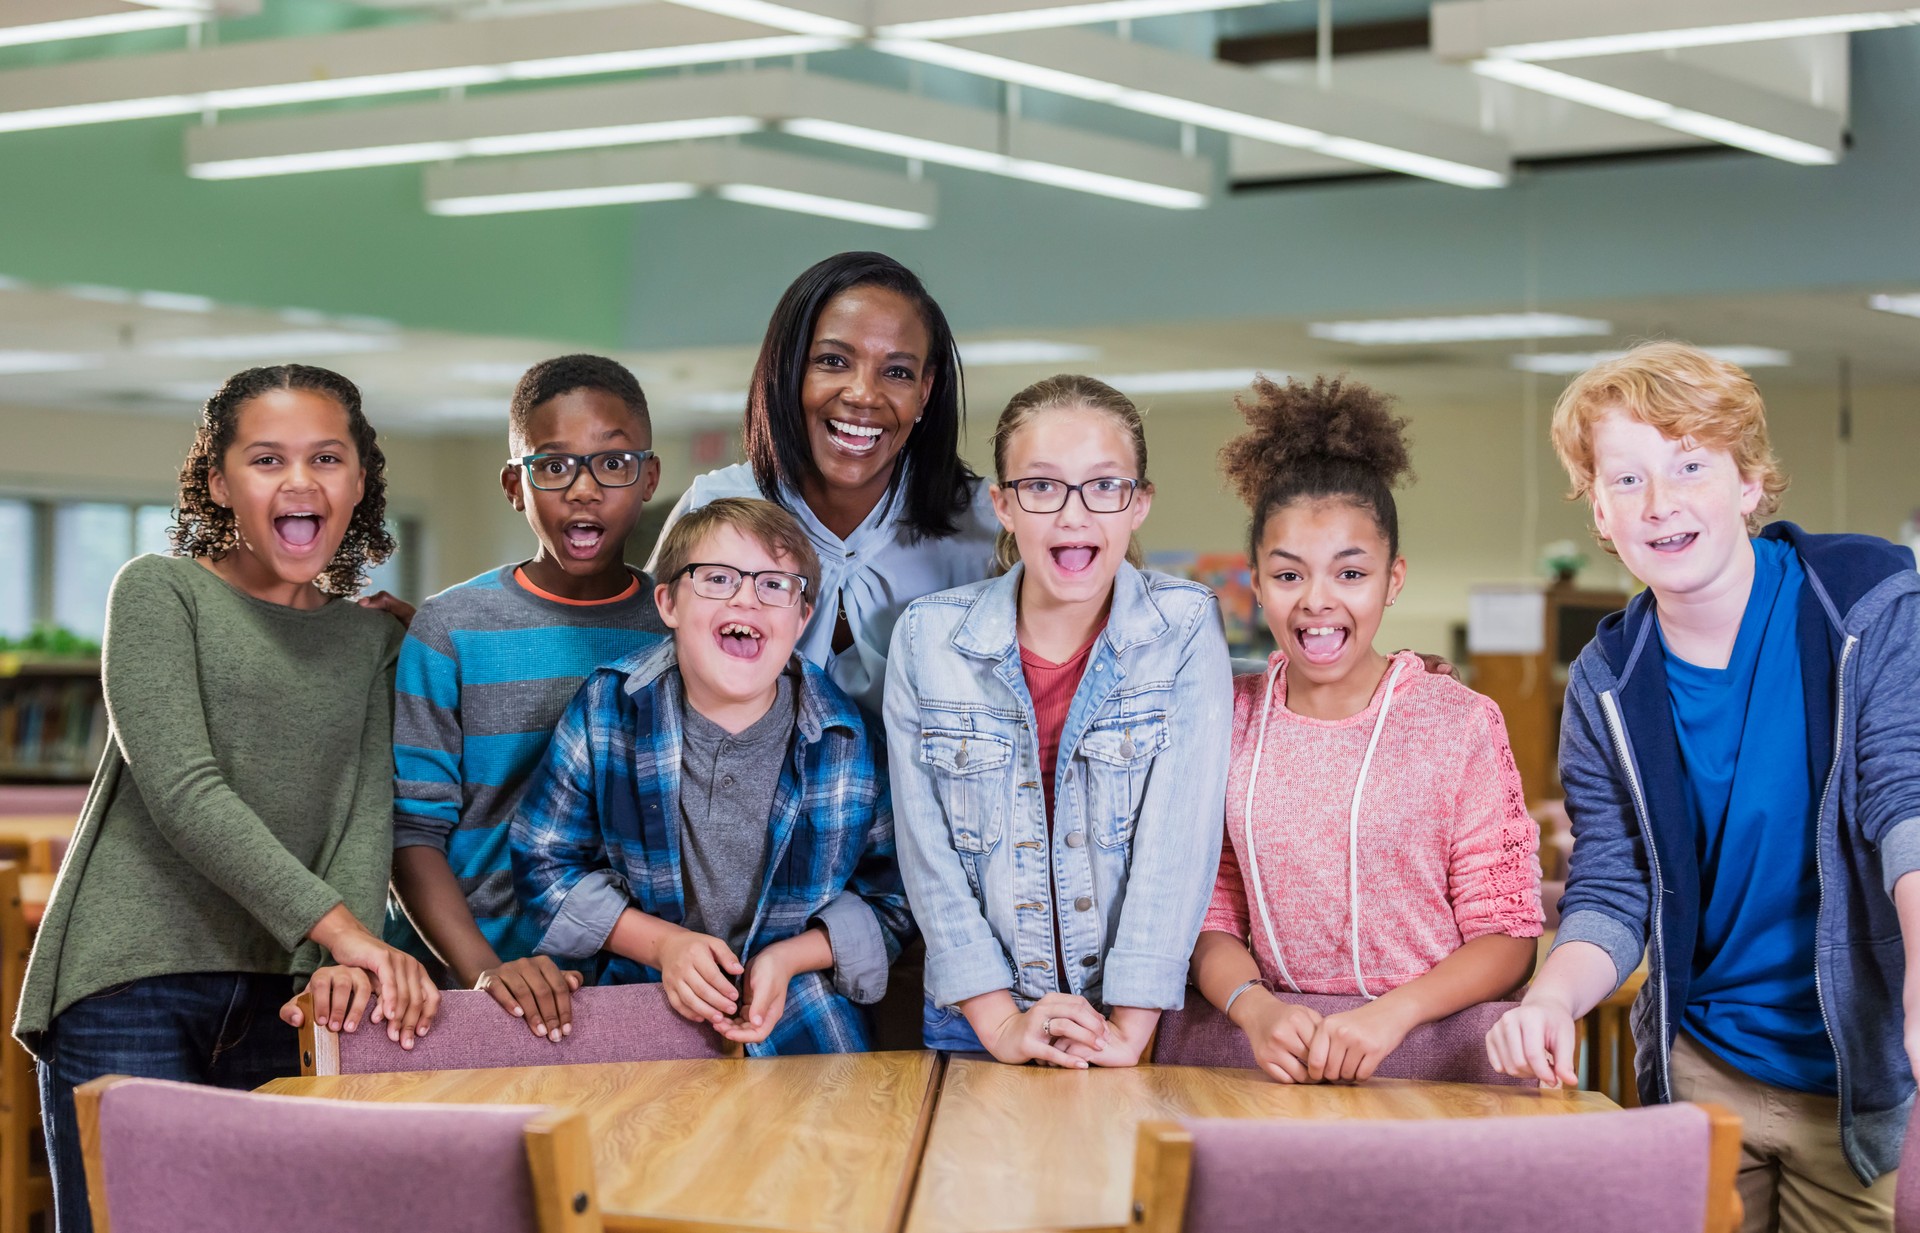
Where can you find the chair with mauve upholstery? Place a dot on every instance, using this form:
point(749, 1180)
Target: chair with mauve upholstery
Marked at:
point(1906, 1193)
point(611, 1023)
point(20, 800)
point(180, 1158)
point(1668, 1169)
point(1453, 1049)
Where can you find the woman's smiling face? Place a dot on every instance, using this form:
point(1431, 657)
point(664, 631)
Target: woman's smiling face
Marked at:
point(868, 376)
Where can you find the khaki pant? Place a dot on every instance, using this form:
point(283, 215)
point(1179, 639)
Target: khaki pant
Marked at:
point(1793, 1176)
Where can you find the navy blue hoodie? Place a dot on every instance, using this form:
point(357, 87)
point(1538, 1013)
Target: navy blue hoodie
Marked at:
point(1634, 843)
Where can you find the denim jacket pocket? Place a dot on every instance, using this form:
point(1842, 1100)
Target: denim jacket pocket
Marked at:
point(969, 771)
point(1118, 755)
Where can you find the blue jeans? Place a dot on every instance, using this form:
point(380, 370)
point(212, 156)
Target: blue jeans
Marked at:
point(218, 1028)
point(945, 1027)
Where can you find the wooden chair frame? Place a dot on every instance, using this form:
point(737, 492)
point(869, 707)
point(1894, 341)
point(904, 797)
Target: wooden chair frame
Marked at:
point(22, 1191)
point(1163, 1172)
point(559, 1159)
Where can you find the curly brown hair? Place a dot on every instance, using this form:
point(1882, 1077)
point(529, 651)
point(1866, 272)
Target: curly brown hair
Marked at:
point(1335, 438)
point(204, 529)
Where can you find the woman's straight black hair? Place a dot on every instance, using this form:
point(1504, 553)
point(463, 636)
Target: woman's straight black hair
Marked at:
point(938, 483)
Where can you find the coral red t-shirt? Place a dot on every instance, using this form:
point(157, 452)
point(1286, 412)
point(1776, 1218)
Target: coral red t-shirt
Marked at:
point(1053, 686)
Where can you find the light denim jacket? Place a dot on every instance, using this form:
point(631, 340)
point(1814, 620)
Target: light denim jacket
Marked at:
point(1140, 785)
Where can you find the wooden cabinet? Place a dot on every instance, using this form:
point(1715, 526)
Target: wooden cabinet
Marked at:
point(1527, 674)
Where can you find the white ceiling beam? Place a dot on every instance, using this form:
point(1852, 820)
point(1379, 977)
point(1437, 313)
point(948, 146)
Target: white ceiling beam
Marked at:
point(391, 60)
point(733, 172)
point(1226, 97)
point(1687, 99)
point(1465, 30)
point(809, 105)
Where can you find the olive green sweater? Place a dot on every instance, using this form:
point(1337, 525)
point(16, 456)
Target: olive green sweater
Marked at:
point(246, 790)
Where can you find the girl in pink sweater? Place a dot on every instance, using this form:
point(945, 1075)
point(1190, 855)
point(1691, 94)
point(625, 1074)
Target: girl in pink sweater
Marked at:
point(1377, 838)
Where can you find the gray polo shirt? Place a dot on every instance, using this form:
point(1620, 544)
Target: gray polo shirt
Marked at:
point(727, 782)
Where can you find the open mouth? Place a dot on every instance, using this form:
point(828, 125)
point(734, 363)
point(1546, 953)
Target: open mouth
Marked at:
point(1321, 644)
point(1073, 559)
point(1674, 543)
point(297, 532)
point(854, 438)
point(739, 639)
point(583, 538)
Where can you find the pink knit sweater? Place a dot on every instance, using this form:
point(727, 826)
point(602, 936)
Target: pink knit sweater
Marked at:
point(1447, 852)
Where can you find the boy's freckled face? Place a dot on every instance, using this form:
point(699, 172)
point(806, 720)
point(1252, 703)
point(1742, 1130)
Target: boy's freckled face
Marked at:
point(731, 651)
point(1674, 510)
point(583, 528)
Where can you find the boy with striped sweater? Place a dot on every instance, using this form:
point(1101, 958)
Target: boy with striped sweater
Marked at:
point(489, 665)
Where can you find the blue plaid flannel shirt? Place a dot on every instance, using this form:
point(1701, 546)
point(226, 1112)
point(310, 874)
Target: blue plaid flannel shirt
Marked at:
point(604, 805)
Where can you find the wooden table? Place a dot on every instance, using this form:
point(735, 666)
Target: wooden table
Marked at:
point(1028, 1148)
point(797, 1143)
point(17, 834)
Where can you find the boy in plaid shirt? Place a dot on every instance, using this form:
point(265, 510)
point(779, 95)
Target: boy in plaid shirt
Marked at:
point(710, 813)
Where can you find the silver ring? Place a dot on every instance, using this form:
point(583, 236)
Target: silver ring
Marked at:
point(1046, 1026)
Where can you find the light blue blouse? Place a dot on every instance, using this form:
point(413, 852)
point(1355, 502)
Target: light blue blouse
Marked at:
point(874, 573)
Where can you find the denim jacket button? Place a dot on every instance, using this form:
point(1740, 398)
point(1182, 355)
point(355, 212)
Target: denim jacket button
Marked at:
point(1090, 961)
point(1076, 839)
point(1082, 904)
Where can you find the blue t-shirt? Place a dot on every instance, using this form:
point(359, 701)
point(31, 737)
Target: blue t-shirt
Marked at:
point(1750, 791)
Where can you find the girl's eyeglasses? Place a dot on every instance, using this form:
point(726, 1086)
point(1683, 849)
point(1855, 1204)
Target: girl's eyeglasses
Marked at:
point(1107, 495)
point(773, 587)
point(610, 468)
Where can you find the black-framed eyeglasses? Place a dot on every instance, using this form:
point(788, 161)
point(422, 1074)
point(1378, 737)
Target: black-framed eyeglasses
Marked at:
point(1109, 494)
point(775, 588)
point(610, 468)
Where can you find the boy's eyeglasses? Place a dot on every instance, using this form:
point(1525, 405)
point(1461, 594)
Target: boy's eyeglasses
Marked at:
point(611, 468)
point(774, 587)
point(1108, 494)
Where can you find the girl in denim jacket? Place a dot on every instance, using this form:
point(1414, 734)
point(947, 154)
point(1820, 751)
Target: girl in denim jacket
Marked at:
point(1052, 731)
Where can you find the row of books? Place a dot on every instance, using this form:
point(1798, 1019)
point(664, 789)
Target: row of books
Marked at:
point(51, 729)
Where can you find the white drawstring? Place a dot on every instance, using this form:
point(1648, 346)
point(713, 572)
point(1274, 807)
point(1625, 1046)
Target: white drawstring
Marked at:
point(1353, 829)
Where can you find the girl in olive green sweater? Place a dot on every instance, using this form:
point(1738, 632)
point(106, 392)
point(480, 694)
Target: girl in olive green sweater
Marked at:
point(240, 825)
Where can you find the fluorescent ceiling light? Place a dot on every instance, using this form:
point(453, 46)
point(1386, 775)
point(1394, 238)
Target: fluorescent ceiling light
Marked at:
point(1818, 144)
point(1225, 97)
point(780, 17)
point(1572, 29)
point(284, 343)
point(820, 108)
point(988, 353)
point(442, 151)
point(1036, 171)
point(711, 402)
point(175, 302)
point(1413, 331)
point(17, 362)
point(489, 372)
point(825, 206)
point(425, 56)
point(655, 173)
point(98, 24)
point(1005, 16)
point(562, 198)
point(1190, 381)
point(1567, 363)
point(1905, 305)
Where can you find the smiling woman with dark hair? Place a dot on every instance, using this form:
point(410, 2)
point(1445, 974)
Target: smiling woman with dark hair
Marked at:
point(853, 423)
